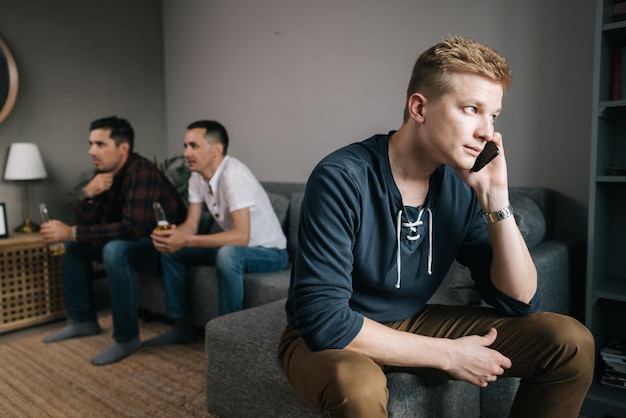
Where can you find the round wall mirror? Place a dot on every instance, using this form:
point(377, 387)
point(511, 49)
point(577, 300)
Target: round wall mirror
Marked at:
point(8, 80)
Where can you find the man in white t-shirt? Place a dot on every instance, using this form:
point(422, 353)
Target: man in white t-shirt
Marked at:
point(251, 238)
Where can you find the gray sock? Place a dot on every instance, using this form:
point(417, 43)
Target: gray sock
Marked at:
point(74, 330)
point(116, 352)
point(182, 332)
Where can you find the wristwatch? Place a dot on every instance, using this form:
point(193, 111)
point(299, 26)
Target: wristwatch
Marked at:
point(497, 216)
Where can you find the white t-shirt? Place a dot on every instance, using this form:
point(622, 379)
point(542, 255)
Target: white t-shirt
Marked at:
point(234, 187)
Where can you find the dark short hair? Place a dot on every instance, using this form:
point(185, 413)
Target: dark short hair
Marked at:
point(121, 131)
point(213, 130)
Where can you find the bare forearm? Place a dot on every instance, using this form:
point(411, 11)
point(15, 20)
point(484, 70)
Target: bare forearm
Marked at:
point(219, 239)
point(467, 358)
point(396, 348)
point(512, 269)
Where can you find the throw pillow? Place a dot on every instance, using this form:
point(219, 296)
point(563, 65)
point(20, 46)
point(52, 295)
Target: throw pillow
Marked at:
point(529, 219)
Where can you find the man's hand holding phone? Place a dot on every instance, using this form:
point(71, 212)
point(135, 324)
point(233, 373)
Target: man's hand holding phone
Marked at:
point(489, 152)
point(494, 177)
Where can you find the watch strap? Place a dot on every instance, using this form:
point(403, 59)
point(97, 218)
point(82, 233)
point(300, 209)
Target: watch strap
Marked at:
point(497, 216)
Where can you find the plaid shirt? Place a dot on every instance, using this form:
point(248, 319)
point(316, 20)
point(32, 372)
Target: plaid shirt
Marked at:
point(125, 210)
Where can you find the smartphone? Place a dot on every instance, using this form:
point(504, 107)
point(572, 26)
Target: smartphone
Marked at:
point(489, 152)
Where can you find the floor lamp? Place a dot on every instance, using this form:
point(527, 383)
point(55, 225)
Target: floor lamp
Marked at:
point(25, 164)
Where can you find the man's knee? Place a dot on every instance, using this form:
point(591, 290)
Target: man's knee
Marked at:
point(114, 250)
point(173, 258)
point(357, 387)
point(567, 331)
point(227, 258)
point(571, 341)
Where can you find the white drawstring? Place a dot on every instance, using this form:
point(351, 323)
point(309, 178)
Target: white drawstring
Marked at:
point(398, 259)
point(412, 225)
point(430, 242)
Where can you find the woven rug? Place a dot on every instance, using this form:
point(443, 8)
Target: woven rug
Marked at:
point(58, 380)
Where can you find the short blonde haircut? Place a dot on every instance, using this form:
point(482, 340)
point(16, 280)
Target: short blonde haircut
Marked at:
point(432, 70)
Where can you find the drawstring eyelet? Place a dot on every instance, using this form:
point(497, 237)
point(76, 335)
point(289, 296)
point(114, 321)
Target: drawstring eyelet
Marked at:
point(412, 225)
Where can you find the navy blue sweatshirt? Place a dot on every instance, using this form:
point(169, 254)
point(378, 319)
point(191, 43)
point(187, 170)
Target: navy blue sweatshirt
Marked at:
point(362, 253)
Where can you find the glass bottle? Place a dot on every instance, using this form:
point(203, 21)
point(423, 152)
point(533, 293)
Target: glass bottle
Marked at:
point(56, 248)
point(159, 214)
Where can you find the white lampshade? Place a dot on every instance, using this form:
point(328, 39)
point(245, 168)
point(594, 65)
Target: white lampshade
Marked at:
point(24, 163)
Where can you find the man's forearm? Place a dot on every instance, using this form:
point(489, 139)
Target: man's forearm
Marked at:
point(512, 269)
point(219, 239)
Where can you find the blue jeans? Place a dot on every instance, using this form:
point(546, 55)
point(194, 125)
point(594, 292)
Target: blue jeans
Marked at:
point(231, 262)
point(122, 260)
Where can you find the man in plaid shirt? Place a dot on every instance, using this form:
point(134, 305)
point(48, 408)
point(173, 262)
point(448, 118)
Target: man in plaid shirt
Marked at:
point(113, 222)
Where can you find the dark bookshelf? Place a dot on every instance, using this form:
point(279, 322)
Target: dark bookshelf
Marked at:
point(605, 293)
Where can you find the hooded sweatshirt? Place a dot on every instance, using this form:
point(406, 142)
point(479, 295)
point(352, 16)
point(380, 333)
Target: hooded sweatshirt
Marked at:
point(361, 252)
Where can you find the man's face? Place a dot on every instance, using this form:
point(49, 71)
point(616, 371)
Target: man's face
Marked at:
point(106, 156)
point(462, 120)
point(201, 156)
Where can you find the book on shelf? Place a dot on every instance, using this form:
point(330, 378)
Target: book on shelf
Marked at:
point(615, 368)
point(615, 171)
point(610, 381)
point(619, 10)
point(615, 349)
point(614, 357)
point(616, 73)
point(617, 81)
point(613, 377)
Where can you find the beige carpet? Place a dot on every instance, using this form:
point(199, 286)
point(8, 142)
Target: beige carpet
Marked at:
point(58, 380)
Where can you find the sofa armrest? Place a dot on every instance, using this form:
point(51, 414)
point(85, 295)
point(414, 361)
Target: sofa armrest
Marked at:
point(553, 260)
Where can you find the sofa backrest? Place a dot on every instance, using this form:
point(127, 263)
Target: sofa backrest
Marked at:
point(294, 192)
point(533, 209)
point(532, 206)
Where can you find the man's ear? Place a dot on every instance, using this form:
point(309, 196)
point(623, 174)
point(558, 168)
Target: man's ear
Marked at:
point(416, 104)
point(124, 146)
point(219, 147)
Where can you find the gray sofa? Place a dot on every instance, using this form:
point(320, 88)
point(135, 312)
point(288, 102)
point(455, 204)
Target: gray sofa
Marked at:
point(259, 288)
point(244, 378)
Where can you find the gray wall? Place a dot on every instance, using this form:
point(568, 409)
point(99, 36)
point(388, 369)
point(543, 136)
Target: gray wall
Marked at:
point(291, 79)
point(294, 79)
point(79, 60)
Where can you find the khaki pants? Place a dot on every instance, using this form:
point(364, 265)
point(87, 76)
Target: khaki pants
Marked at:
point(552, 353)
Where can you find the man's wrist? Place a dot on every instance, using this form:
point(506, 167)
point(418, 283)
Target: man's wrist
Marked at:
point(498, 215)
point(84, 195)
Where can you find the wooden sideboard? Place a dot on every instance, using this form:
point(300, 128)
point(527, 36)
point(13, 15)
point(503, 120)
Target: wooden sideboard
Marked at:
point(31, 283)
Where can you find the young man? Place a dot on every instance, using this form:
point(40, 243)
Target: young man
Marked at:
point(114, 218)
point(251, 238)
point(382, 221)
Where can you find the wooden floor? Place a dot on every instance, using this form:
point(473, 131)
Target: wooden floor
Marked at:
point(52, 326)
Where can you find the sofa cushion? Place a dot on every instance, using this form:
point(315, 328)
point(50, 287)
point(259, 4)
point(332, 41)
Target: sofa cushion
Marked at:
point(244, 377)
point(281, 206)
point(457, 288)
point(411, 396)
point(529, 219)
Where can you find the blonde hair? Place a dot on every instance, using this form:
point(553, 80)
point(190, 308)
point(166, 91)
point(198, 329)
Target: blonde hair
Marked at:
point(432, 70)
